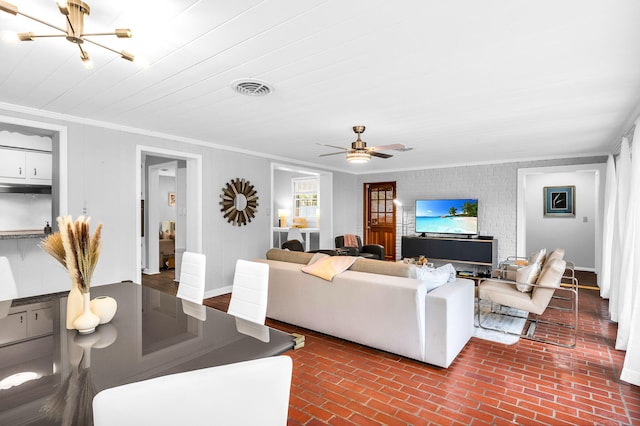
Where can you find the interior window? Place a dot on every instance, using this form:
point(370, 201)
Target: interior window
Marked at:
point(305, 199)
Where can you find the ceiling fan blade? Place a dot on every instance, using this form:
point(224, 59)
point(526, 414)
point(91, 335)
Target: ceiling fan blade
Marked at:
point(380, 154)
point(333, 146)
point(395, 146)
point(332, 153)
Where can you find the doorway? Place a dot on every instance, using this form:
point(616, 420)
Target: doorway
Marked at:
point(282, 202)
point(188, 206)
point(579, 234)
point(380, 216)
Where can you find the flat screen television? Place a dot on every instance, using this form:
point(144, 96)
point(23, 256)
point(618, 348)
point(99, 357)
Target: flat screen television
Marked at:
point(447, 216)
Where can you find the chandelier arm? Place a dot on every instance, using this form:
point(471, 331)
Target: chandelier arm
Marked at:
point(125, 55)
point(41, 21)
point(98, 34)
point(46, 35)
point(103, 46)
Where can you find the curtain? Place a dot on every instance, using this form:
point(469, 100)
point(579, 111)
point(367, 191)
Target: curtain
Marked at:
point(608, 228)
point(622, 174)
point(631, 250)
point(629, 326)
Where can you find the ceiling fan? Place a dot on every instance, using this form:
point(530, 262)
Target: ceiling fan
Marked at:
point(361, 153)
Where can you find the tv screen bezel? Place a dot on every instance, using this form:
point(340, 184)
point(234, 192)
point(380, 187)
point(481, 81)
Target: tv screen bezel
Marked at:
point(457, 199)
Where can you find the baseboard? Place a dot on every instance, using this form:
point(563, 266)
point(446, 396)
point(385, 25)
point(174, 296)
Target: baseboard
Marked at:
point(217, 292)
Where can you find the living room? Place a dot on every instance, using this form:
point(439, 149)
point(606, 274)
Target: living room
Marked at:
point(98, 156)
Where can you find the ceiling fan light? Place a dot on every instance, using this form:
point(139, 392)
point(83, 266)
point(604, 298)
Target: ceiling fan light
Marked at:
point(358, 157)
point(8, 7)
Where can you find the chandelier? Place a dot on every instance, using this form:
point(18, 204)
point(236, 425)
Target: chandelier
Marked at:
point(74, 12)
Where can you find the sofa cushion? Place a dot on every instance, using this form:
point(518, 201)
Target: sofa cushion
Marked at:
point(289, 256)
point(330, 266)
point(394, 269)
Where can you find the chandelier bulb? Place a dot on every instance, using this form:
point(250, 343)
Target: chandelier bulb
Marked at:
point(86, 60)
point(63, 7)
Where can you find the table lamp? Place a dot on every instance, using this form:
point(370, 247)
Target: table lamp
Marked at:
point(282, 214)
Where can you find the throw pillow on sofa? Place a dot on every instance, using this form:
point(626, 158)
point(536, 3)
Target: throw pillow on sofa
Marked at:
point(329, 267)
point(435, 277)
point(316, 257)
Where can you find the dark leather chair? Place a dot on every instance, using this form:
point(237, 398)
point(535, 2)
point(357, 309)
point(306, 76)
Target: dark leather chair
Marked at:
point(369, 251)
point(293, 245)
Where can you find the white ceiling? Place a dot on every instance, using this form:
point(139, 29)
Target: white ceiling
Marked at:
point(462, 82)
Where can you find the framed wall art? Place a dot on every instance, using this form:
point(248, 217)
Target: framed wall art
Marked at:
point(560, 201)
point(172, 199)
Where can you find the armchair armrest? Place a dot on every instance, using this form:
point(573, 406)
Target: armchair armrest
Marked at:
point(376, 249)
point(349, 251)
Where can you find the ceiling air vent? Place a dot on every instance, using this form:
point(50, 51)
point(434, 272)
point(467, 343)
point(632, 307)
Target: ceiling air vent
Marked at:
point(251, 87)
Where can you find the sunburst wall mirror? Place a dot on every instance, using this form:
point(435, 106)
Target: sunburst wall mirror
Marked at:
point(239, 201)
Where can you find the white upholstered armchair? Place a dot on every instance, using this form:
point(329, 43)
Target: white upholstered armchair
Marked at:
point(545, 292)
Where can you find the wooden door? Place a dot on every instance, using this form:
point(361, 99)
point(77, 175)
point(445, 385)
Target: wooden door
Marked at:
point(380, 216)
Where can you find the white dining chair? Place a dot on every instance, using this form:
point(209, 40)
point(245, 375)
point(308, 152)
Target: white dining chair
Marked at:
point(192, 277)
point(245, 393)
point(194, 310)
point(295, 234)
point(252, 329)
point(8, 288)
point(250, 291)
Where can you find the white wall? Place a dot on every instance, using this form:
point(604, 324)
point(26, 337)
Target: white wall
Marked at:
point(578, 235)
point(24, 211)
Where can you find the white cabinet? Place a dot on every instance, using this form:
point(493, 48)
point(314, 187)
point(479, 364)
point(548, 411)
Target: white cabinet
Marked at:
point(19, 166)
point(26, 322)
point(13, 327)
point(12, 163)
point(39, 166)
point(40, 321)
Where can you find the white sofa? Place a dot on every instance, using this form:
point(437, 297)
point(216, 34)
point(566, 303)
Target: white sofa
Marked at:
point(390, 312)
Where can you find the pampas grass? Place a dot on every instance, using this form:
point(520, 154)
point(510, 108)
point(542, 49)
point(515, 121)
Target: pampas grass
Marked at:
point(75, 248)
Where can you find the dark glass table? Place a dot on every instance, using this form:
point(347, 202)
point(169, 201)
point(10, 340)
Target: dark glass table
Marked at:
point(49, 375)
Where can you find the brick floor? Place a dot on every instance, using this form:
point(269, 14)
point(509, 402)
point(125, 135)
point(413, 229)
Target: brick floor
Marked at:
point(337, 382)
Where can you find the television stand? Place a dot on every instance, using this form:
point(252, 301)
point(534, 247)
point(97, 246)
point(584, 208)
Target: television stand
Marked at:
point(471, 251)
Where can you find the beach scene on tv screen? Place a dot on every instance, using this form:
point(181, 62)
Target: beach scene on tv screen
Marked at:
point(447, 216)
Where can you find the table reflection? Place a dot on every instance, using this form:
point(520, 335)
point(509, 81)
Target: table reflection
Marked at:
point(152, 334)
